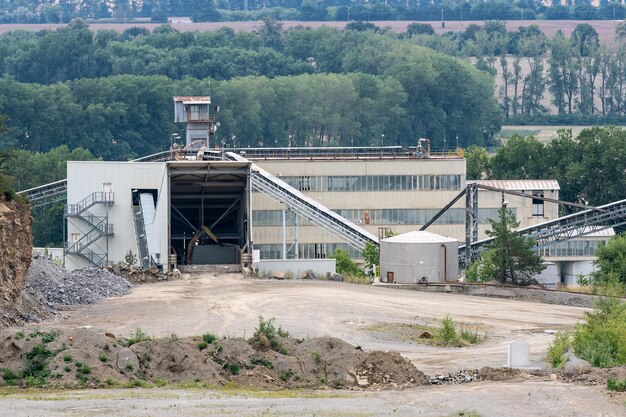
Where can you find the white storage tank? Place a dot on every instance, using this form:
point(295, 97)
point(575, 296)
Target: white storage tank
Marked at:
point(419, 257)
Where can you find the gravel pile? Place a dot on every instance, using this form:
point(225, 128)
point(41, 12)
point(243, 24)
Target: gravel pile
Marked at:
point(460, 377)
point(54, 285)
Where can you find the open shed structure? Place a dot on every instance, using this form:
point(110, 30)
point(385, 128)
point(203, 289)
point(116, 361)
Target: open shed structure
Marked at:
point(418, 257)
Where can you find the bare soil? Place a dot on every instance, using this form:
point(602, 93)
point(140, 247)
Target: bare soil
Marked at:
point(484, 399)
point(229, 305)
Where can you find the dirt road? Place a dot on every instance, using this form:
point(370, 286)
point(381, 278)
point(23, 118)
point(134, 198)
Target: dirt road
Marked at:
point(483, 399)
point(229, 305)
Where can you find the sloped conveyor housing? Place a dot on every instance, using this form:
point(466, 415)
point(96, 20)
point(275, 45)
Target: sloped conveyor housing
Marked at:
point(568, 227)
point(307, 207)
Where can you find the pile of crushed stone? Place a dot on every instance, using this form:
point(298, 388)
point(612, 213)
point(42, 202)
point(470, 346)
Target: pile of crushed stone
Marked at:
point(55, 286)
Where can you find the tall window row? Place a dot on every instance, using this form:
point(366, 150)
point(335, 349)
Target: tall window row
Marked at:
point(383, 216)
point(376, 182)
point(572, 248)
point(307, 250)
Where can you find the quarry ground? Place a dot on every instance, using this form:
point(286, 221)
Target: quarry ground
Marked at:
point(481, 399)
point(229, 305)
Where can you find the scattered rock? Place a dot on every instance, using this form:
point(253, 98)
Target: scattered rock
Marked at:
point(278, 275)
point(574, 366)
point(336, 277)
point(461, 377)
point(126, 360)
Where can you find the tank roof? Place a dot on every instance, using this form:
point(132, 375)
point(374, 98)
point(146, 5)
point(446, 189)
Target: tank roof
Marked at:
point(419, 236)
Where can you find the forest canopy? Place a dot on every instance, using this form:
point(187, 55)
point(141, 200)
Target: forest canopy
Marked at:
point(112, 93)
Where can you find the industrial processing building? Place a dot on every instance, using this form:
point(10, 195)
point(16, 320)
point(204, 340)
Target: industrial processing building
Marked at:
point(197, 205)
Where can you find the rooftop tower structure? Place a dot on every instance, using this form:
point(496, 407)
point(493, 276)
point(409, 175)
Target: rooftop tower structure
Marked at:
point(200, 123)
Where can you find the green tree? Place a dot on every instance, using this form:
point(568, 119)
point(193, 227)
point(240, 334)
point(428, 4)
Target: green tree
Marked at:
point(345, 265)
point(477, 160)
point(612, 260)
point(371, 255)
point(513, 256)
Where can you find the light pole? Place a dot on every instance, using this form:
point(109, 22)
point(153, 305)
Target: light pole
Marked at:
point(382, 140)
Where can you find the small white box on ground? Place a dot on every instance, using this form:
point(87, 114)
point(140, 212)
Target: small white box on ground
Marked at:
point(519, 354)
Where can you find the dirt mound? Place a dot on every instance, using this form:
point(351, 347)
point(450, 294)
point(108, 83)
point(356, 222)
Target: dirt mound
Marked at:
point(594, 376)
point(87, 358)
point(500, 374)
point(388, 369)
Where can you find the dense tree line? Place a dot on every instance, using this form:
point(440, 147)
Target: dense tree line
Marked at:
point(25, 169)
point(589, 167)
point(382, 86)
point(584, 78)
point(54, 11)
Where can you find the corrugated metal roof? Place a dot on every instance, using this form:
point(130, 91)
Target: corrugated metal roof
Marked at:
point(419, 237)
point(193, 99)
point(520, 185)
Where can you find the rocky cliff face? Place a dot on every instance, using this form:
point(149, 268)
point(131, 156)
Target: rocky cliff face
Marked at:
point(16, 246)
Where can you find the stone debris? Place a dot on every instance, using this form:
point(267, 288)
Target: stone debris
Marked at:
point(56, 286)
point(136, 275)
point(461, 377)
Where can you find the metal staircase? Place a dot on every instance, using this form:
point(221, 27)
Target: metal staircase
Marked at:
point(100, 227)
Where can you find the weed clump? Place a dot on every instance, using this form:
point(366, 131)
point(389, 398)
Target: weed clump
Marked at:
point(267, 334)
point(138, 336)
point(449, 334)
point(557, 349)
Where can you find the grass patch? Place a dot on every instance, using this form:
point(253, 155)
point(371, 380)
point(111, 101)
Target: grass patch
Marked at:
point(103, 358)
point(446, 333)
point(557, 349)
point(209, 338)
point(356, 279)
point(202, 345)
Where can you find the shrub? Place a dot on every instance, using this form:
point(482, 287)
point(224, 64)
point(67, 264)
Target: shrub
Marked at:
point(447, 334)
point(209, 338)
point(234, 368)
point(286, 375)
point(263, 362)
point(601, 340)
point(317, 356)
point(616, 385)
point(345, 265)
point(67, 358)
point(271, 332)
point(557, 349)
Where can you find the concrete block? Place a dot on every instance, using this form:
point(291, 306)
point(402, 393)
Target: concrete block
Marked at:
point(519, 354)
